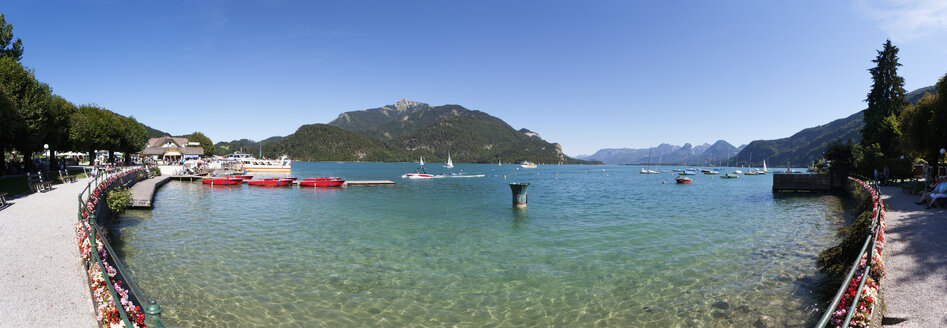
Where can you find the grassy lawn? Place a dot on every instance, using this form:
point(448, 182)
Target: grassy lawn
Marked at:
point(17, 185)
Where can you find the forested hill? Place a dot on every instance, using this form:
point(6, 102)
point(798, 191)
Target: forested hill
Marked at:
point(802, 147)
point(807, 145)
point(407, 130)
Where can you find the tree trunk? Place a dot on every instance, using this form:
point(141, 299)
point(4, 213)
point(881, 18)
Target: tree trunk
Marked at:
point(53, 163)
point(111, 156)
point(28, 160)
point(3, 160)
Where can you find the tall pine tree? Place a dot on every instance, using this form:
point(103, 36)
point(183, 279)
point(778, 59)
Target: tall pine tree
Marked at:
point(886, 101)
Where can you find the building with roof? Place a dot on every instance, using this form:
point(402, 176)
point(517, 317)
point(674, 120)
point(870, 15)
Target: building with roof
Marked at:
point(172, 149)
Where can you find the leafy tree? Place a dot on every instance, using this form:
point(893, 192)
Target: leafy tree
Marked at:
point(10, 122)
point(918, 137)
point(841, 157)
point(81, 134)
point(886, 101)
point(9, 47)
point(938, 126)
point(205, 142)
point(58, 111)
point(134, 136)
point(32, 100)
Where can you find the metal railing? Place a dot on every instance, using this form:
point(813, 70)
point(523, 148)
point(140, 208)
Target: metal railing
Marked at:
point(868, 247)
point(152, 311)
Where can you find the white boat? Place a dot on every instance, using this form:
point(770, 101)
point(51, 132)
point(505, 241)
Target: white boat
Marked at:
point(450, 164)
point(499, 163)
point(251, 164)
point(764, 167)
point(459, 175)
point(648, 170)
point(528, 165)
point(419, 173)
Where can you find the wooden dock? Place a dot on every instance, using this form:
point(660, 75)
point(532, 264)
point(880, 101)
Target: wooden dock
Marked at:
point(802, 182)
point(143, 192)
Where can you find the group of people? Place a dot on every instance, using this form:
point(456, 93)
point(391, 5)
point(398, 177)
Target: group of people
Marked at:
point(882, 176)
point(935, 190)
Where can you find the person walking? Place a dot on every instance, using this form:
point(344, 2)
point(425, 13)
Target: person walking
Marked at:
point(885, 174)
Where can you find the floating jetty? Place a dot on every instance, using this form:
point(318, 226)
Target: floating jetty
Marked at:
point(802, 182)
point(143, 192)
point(347, 182)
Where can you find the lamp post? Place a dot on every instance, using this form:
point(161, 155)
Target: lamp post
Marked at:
point(46, 151)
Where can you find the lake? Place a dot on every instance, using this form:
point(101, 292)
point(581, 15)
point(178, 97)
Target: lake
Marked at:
point(596, 246)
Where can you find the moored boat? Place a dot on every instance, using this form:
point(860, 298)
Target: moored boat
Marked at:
point(271, 183)
point(730, 176)
point(683, 180)
point(251, 164)
point(322, 182)
point(528, 165)
point(223, 181)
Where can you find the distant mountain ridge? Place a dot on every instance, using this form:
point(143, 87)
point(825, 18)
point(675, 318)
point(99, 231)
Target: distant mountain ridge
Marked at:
point(667, 154)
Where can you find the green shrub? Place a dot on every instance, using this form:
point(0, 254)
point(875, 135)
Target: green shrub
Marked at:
point(118, 199)
point(837, 260)
point(157, 171)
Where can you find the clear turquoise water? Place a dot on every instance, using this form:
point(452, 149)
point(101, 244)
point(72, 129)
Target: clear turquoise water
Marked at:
point(593, 248)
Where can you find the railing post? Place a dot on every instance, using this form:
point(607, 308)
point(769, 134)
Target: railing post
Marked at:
point(152, 313)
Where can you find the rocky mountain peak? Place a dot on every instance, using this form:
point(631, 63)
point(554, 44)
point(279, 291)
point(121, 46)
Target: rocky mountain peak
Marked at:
point(404, 105)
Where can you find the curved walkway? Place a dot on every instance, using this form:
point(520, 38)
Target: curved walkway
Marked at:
point(915, 285)
point(42, 283)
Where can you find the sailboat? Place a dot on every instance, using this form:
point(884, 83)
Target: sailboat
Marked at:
point(764, 171)
point(499, 163)
point(729, 175)
point(649, 170)
point(450, 164)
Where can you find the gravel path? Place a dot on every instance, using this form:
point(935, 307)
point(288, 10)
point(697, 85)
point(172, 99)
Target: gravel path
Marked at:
point(915, 285)
point(42, 283)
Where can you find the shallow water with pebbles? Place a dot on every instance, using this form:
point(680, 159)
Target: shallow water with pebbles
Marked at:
point(593, 248)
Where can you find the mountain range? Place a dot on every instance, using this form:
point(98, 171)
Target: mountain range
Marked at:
point(407, 130)
point(798, 149)
point(666, 154)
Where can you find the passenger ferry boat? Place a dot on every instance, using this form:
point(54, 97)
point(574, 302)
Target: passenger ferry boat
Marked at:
point(251, 164)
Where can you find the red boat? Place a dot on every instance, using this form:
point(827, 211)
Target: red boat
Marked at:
point(271, 183)
point(225, 181)
point(322, 182)
point(683, 180)
point(245, 177)
point(281, 178)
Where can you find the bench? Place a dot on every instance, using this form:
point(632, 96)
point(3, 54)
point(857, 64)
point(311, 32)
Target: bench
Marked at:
point(36, 182)
point(65, 177)
point(3, 199)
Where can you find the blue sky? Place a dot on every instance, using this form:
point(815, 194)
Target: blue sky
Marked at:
point(585, 74)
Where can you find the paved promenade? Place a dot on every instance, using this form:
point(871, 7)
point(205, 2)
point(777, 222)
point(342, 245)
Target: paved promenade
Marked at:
point(42, 283)
point(915, 285)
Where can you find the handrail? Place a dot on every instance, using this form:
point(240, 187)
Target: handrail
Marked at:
point(151, 317)
point(871, 239)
